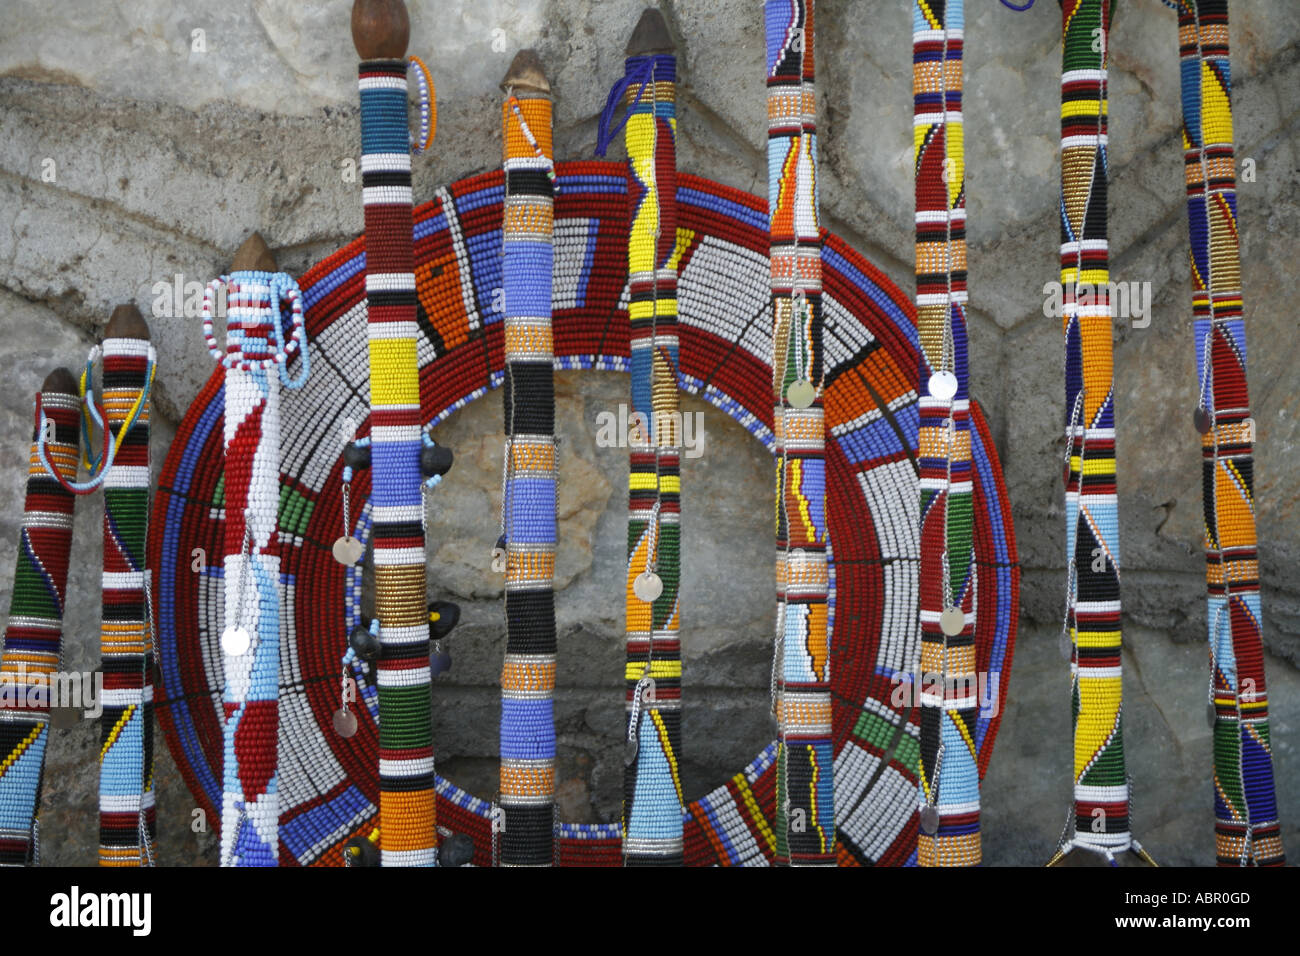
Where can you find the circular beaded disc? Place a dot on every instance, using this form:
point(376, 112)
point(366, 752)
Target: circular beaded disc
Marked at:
point(329, 785)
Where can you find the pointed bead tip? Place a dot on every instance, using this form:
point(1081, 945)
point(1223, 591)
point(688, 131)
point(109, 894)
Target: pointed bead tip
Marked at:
point(381, 29)
point(126, 322)
point(651, 35)
point(254, 256)
point(61, 381)
point(526, 74)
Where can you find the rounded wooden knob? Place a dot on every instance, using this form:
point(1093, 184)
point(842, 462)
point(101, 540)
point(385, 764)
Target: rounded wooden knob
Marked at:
point(381, 29)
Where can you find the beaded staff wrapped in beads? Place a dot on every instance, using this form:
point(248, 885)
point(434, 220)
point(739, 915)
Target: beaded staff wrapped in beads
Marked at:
point(1092, 612)
point(1246, 830)
point(528, 506)
point(652, 792)
point(949, 773)
point(407, 825)
point(127, 826)
point(256, 362)
point(805, 759)
point(33, 640)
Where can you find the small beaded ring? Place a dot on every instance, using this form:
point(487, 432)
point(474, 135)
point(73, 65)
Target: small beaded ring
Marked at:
point(428, 105)
point(297, 339)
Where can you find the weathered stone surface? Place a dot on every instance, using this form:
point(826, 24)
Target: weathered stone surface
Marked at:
point(161, 159)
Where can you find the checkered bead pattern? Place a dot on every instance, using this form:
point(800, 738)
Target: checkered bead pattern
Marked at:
point(251, 570)
point(127, 824)
point(805, 825)
point(33, 648)
point(529, 518)
point(1246, 829)
point(949, 772)
point(407, 824)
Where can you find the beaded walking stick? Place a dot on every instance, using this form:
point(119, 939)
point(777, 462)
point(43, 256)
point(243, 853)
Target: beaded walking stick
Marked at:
point(652, 793)
point(1246, 829)
point(256, 361)
point(33, 640)
point(528, 505)
point(1092, 613)
point(126, 788)
point(949, 772)
point(805, 758)
point(407, 825)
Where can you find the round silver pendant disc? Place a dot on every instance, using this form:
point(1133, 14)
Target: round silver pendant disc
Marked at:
point(345, 722)
point(235, 641)
point(952, 621)
point(647, 586)
point(943, 385)
point(929, 820)
point(801, 393)
point(348, 550)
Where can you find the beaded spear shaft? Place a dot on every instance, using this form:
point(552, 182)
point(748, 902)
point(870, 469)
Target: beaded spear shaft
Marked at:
point(805, 758)
point(1247, 831)
point(529, 518)
point(652, 792)
point(33, 640)
point(127, 824)
point(949, 775)
point(407, 824)
point(255, 360)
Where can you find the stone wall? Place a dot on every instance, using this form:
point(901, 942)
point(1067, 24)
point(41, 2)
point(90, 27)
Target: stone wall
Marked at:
point(133, 149)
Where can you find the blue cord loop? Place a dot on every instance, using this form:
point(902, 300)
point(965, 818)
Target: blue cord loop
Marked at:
point(640, 69)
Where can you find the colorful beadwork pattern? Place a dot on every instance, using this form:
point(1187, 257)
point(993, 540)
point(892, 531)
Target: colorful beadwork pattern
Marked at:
point(127, 825)
point(328, 788)
point(33, 640)
point(1247, 831)
point(528, 519)
point(256, 362)
point(407, 826)
point(949, 786)
point(1092, 612)
point(805, 830)
point(652, 787)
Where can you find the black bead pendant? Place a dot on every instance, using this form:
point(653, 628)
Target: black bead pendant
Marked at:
point(443, 616)
point(457, 850)
point(356, 456)
point(435, 460)
point(366, 645)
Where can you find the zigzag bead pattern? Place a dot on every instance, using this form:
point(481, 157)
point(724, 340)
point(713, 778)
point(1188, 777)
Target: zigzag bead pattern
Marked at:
point(127, 814)
point(805, 827)
point(1246, 830)
point(652, 788)
point(33, 640)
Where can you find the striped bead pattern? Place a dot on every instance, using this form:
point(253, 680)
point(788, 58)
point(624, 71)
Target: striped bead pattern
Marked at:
point(407, 825)
point(652, 787)
point(1247, 831)
point(127, 816)
point(805, 763)
point(33, 640)
point(529, 519)
point(949, 783)
point(251, 571)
